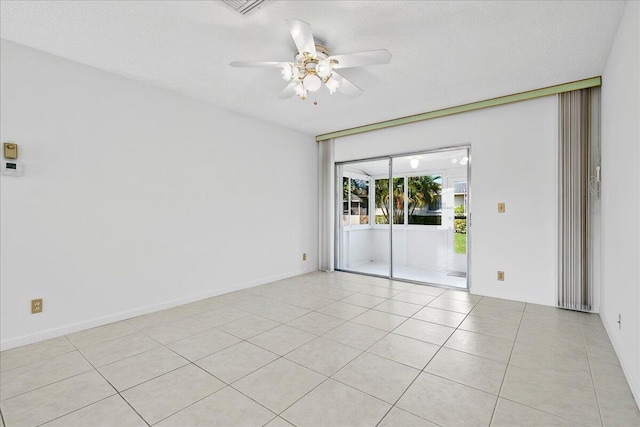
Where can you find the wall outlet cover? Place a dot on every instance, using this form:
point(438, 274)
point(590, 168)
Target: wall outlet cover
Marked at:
point(36, 306)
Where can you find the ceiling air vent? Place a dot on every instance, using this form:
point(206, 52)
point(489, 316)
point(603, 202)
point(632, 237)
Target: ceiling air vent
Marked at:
point(244, 6)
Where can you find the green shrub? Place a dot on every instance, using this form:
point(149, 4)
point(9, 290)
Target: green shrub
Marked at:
point(380, 219)
point(460, 226)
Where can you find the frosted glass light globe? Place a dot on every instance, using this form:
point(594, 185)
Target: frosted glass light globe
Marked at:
point(312, 82)
point(333, 85)
point(323, 69)
point(300, 90)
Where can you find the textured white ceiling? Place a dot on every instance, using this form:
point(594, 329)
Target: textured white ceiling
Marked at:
point(444, 53)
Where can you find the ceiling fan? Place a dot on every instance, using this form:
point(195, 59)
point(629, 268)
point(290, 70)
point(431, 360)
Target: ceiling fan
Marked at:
point(313, 65)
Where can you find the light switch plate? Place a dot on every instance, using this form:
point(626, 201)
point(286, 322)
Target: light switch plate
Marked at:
point(501, 207)
point(10, 150)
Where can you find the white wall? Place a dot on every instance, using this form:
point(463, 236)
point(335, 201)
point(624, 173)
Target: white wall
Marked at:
point(134, 198)
point(620, 293)
point(513, 160)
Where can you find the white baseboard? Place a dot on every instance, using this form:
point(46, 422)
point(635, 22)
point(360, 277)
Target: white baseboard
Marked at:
point(633, 383)
point(100, 321)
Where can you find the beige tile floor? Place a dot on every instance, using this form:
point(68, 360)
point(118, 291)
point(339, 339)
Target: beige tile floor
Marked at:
point(326, 350)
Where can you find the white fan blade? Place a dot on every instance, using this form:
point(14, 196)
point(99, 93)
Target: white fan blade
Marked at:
point(346, 87)
point(289, 91)
point(302, 36)
point(358, 59)
point(257, 64)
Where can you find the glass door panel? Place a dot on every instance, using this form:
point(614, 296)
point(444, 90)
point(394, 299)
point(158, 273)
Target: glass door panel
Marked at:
point(426, 247)
point(362, 241)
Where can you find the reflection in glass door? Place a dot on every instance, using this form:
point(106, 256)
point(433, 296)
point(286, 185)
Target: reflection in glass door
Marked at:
point(405, 217)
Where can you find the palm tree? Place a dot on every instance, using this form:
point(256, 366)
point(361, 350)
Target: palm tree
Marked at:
point(382, 199)
point(423, 191)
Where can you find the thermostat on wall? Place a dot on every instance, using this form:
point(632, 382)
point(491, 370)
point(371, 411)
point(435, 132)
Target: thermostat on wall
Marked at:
point(11, 168)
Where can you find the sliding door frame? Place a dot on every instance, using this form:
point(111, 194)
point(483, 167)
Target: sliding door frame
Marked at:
point(338, 211)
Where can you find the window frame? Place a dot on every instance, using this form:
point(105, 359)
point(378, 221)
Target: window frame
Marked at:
point(436, 172)
point(361, 177)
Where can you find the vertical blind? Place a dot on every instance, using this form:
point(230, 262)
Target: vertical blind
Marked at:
point(326, 214)
point(578, 207)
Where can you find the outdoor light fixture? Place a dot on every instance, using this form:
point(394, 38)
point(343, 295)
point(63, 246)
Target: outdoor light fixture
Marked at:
point(414, 163)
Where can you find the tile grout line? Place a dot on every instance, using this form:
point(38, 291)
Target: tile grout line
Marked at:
point(211, 394)
point(278, 358)
point(40, 360)
point(508, 364)
point(551, 376)
point(108, 382)
point(421, 372)
point(328, 377)
point(139, 330)
point(523, 404)
point(158, 376)
point(116, 390)
point(443, 346)
point(408, 387)
point(361, 352)
point(593, 383)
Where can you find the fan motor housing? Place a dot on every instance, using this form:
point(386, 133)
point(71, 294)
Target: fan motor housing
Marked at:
point(321, 53)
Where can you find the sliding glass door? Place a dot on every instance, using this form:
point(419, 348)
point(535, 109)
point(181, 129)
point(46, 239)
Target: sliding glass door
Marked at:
point(405, 217)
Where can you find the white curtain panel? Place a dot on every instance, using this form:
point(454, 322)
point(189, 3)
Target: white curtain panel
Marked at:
point(326, 203)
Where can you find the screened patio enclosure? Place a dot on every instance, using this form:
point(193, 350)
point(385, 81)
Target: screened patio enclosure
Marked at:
point(405, 217)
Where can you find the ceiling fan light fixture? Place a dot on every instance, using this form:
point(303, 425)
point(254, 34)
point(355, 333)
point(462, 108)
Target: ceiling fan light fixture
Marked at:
point(332, 84)
point(287, 72)
point(312, 82)
point(323, 69)
point(300, 90)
